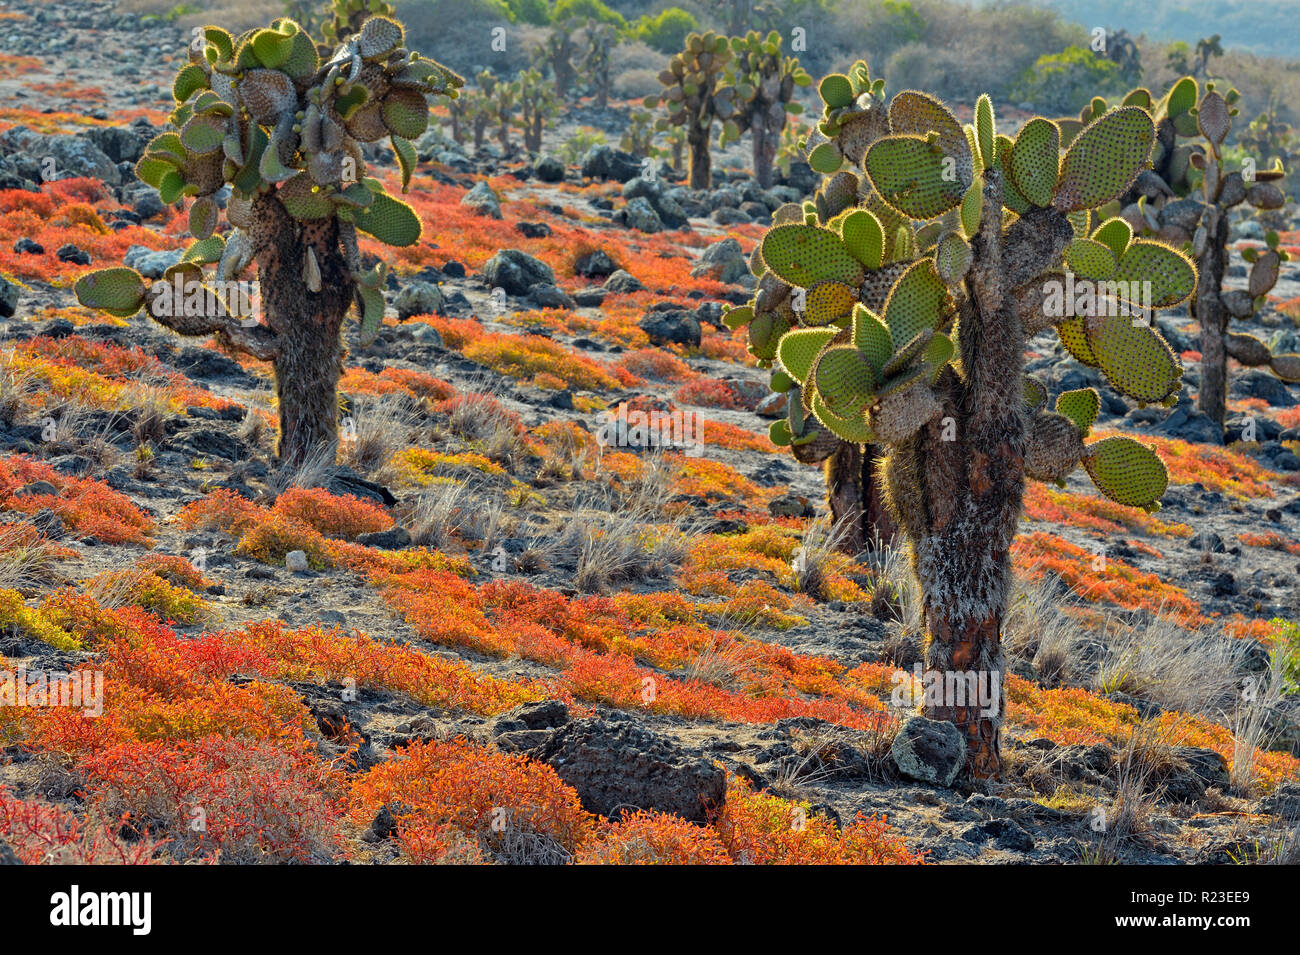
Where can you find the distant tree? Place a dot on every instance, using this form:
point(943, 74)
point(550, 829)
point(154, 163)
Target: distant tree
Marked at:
point(666, 32)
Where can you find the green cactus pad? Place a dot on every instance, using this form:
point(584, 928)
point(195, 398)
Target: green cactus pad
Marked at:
point(205, 251)
point(738, 317)
point(1115, 234)
point(1090, 259)
point(189, 80)
point(1081, 406)
point(825, 159)
point(406, 159)
point(1104, 159)
point(905, 356)
point(765, 333)
point(1035, 160)
point(778, 432)
point(864, 238)
point(972, 208)
point(853, 429)
point(1171, 274)
point(405, 113)
point(985, 129)
point(952, 258)
point(845, 380)
point(912, 113)
point(372, 315)
point(910, 174)
point(204, 214)
point(1074, 337)
point(390, 220)
point(918, 300)
point(827, 302)
point(1135, 359)
point(115, 290)
point(1035, 393)
point(304, 199)
point(1126, 472)
point(871, 336)
point(937, 354)
point(804, 255)
point(203, 134)
point(835, 90)
point(1182, 97)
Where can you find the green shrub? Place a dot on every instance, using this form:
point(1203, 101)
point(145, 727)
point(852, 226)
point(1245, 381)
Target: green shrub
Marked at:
point(1065, 82)
point(666, 32)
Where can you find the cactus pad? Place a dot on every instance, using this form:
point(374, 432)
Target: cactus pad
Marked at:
point(918, 301)
point(804, 255)
point(389, 220)
point(864, 238)
point(845, 380)
point(899, 415)
point(911, 175)
point(1135, 359)
point(799, 348)
point(119, 290)
point(1104, 159)
point(1054, 447)
point(1035, 160)
point(1171, 274)
point(1126, 472)
point(1081, 406)
point(827, 302)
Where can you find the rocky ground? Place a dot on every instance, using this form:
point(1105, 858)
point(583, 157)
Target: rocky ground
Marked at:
point(1127, 710)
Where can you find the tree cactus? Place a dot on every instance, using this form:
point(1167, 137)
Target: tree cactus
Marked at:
point(692, 84)
point(558, 52)
point(759, 96)
point(896, 308)
point(639, 135)
point(345, 18)
point(601, 39)
point(499, 105)
point(1185, 199)
point(262, 113)
point(537, 104)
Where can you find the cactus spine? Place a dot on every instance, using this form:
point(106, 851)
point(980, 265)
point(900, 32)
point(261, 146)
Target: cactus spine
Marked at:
point(265, 114)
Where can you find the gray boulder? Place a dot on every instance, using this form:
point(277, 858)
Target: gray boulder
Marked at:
point(419, 298)
point(516, 272)
point(929, 751)
point(482, 200)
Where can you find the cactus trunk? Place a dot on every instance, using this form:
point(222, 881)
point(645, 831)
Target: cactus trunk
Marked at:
point(1209, 312)
point(310, 358)
point(854, 495)
point(766, 141)
point(697, 142)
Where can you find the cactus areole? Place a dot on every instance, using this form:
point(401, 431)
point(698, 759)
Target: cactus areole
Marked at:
point(281, 122)
point(896, 306)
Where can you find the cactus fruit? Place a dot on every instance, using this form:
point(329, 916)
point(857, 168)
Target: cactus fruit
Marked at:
point(954, 240)
point(282, 121)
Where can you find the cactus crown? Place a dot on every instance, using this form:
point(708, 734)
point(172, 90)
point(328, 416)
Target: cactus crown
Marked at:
point(861, 289)
point(266, 114)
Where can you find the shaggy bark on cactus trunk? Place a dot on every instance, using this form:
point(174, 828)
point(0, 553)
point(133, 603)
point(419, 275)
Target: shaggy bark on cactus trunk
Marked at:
point(765, 142)
point(1208, 310)
point(957, 486)
point(307, 325)
point(857, 504)
point(697, 142)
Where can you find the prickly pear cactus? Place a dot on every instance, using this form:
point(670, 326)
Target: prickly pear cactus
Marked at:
point(758, 97)
point(692, 97)
point(1186, 200)
point(264, 114)
point(538, 102)
point(895, 308)
point(345, 18)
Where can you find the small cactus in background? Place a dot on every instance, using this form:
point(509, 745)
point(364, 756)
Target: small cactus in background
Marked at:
point(638, 138)
point(345, 18)
point(537, 104)
point(601, 39)
point(1186, 199)
point(264, 114)
point(759, 97)
point(557, 53)
point(499, 104)
point(692, 98)
point(896, 306)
